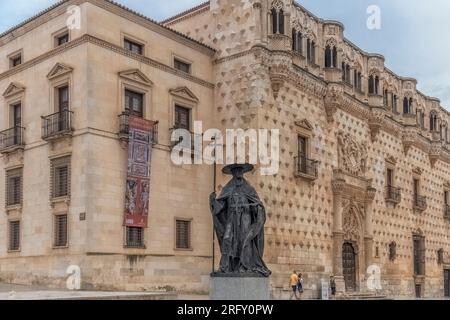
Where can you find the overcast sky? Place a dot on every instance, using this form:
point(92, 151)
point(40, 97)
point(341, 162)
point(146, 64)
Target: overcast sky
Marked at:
point(414, 35)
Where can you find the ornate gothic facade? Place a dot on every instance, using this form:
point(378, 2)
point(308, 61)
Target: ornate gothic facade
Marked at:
point(362, 190)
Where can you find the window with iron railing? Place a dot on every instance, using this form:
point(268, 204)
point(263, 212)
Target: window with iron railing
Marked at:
point(134, 237)
point(14, 236)
point(14, 187)
point(183, 234)
point(57, 124)
point(60, 231)
point(60, 177)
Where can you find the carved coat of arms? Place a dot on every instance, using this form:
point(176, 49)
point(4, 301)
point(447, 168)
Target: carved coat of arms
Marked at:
point(352, 155)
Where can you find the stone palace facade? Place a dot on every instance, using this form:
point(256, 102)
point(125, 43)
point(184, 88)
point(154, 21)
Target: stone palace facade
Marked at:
point(364, 180)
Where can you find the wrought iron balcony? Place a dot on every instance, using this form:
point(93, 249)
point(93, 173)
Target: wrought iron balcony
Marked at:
point(11, 139)
point(393, 194)
point(57, 125)
point(420, 203)
point(447, 211)
point(306, 168)
point(124, 128)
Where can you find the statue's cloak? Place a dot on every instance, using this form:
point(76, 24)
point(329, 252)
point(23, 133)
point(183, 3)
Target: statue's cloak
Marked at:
point(251, 259)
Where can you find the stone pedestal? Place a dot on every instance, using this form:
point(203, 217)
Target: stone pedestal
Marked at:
point(239, 287)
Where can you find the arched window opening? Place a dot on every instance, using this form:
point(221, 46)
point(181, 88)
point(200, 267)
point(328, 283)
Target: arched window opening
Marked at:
point(433, 122)
point(310, 51)
point(277, 21)
point(394, 103)
point(386, 98)
point(330, 57)
point(374, 82)
point(297, 41)
point(406, 106)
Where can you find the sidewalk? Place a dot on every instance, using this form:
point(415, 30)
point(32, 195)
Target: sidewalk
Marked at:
point(22, 292)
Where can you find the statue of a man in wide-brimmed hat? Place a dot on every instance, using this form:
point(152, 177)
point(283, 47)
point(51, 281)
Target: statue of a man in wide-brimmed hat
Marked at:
point(239, 218)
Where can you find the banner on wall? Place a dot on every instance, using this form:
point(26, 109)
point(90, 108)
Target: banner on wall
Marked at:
point(139, 172)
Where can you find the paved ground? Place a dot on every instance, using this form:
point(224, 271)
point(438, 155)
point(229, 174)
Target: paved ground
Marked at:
point(18, 292)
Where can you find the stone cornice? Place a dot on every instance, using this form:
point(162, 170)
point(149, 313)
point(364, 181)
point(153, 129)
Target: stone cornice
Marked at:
point(192, 12)
point(107, 45)
point(111, 6)
point(346, 102)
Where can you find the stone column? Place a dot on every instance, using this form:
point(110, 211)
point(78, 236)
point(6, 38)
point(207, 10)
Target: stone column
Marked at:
point(338, 234)
point(368, 229)
point(264, 22)
point(259, 17)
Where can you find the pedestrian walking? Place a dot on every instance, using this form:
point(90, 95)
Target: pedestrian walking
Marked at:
point(333, 286)
point(300, 284)
point(293, 284)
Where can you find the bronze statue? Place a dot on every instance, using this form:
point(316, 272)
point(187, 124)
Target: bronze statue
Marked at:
point(239, 217)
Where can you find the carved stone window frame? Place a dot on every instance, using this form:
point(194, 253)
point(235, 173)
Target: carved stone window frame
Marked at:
point(56, 35)
point(14, 55)
point(136, 81)
point(13, 95)
point(8, 236)
point(184, 60)
point(126, 36)
point(183, 97)
point(391, 164)
point(303, 129)
point(54, 217)
point(60, 75)
point(191, 229)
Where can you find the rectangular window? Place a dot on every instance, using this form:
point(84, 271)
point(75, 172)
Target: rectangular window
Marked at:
point(14, 236)
point(15, 60)
point(16, 113)
point(63, 98)
point(416, 188)
point(183, 234)
point(419, 255)
point(62, 39)
point(134, 237)
point(60, 175)
point(390, 177)
point(60, 231)
point(182, 66)
point(14, 187)
point(446, 198)
point(134, 103)
point(302, 146)
point(182, 118)
point(133, 46)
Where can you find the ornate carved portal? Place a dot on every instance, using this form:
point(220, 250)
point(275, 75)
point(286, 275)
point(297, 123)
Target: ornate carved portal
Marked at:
point(352, 222)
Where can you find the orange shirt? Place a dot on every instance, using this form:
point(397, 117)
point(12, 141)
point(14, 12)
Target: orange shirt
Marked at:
point(294, 279)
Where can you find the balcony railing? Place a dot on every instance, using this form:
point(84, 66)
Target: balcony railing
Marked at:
point(57, 124)
point(306, 168)
point(124, 128)
point(420, 203)
point(447, 211)
point(393, 194)
point(11, 139)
